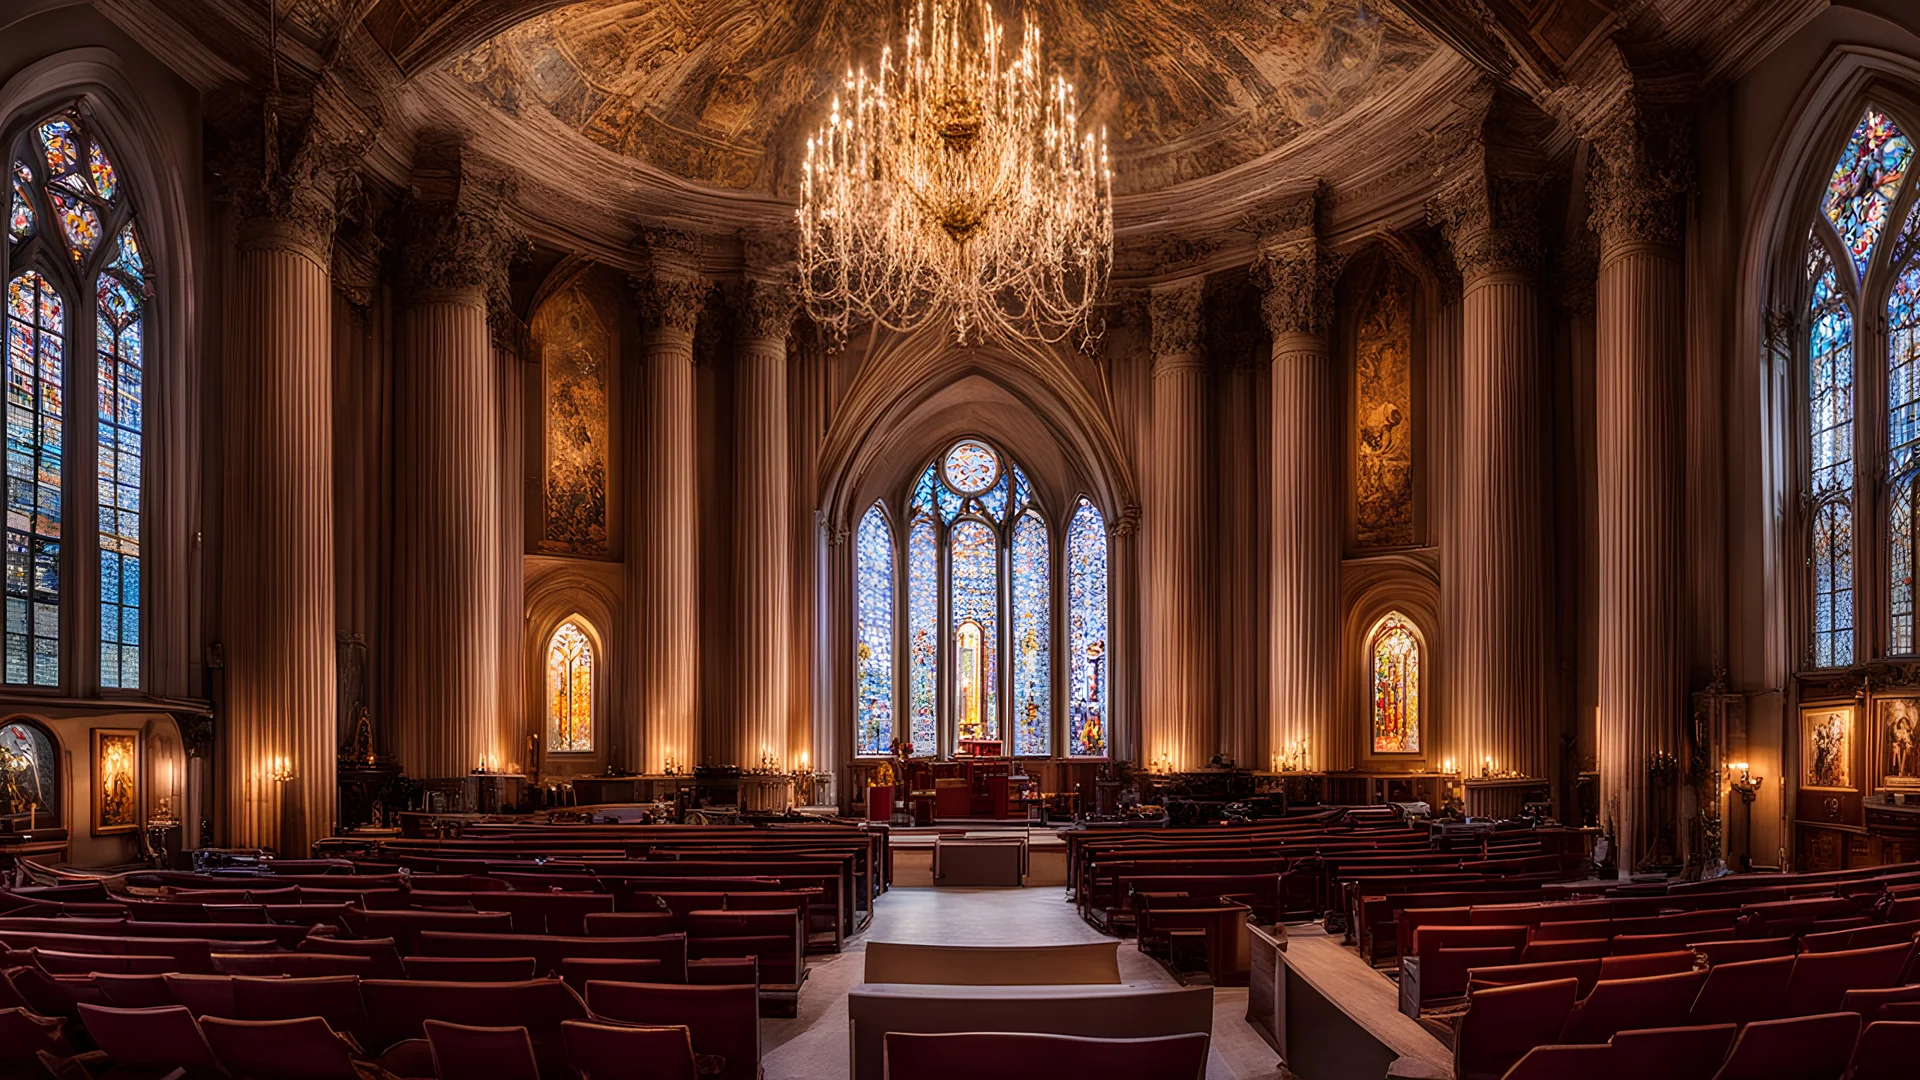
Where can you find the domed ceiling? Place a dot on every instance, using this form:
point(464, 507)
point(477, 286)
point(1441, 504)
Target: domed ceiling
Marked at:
point(724, 92)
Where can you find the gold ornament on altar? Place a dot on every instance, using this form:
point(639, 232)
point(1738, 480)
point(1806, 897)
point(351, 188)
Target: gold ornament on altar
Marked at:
point(954, 182)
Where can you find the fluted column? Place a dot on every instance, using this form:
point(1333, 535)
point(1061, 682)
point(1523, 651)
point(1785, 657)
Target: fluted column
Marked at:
point(277, 618)
point(1496, 623)
point(1179, 726)
point(762, 527)
point(447, 570)
point(664, 626)
point(1636, 188)
point(509, 338)
point(1297, 275)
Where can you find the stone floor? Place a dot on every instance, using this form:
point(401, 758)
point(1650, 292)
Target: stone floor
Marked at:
point(813, 1046)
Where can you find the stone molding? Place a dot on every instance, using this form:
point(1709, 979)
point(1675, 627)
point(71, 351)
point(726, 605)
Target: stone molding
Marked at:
point(288, 176)
point(1296, 280)
point(458, 232)
point(1490, 219)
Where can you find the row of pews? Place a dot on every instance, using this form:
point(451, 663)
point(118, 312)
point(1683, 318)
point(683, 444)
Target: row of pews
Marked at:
point(1808, 976)
point(521, 950)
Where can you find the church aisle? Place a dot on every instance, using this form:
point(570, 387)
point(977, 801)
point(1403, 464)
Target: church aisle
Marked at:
point(814, 1045)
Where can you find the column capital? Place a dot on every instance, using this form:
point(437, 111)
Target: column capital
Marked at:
point(1642, 167)
point(1489, 217)
point(1175, 311)
point(764, 310)
point(1294, 270)
point(670, 299)
point(291, 161)
point(459, 234)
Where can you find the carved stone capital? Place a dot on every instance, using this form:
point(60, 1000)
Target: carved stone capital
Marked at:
point(1490, 220)
point(764, 310)
point(1641, 172)
point(290, 164)
point(1127, 522)
point(1296, 280)
point(457, 231)
point(1175, 312)
point(772, 252)
point(1294, 271)
point(669, 299)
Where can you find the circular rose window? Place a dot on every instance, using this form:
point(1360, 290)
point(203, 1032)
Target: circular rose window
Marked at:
point(971, 467)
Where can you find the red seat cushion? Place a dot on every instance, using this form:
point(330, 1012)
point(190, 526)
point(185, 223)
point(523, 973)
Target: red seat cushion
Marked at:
point(1502, 1024)
point(723, 1020)
point(471, 968)
point(1888, 1050)
point(1675, 1053)
point(1624, 1004)
point(463, 1052)
point(1800, 1048)
point(162, 1038)
point(1010, 1056)
point(608, 1051)
point(297, 1049)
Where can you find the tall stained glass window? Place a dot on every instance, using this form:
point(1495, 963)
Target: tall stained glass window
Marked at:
point(1087, 693)
point(873, 640)
point(1393, 651)
point(975, 569)
point(1830, 438)
point(569, 690)
point(1032, 637)
point(1903, 449)
point(78, 288)
point(923, 636)
point(981, 603)
point(36, 378)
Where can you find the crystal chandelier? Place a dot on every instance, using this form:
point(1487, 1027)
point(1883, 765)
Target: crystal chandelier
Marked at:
point(956, 184)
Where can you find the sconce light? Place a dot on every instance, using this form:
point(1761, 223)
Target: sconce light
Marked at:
point(1747, 786)
point(280, 770)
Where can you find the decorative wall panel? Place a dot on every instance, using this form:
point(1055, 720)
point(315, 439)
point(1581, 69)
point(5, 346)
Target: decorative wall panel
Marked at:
point(575, 350)
point(1383, 415)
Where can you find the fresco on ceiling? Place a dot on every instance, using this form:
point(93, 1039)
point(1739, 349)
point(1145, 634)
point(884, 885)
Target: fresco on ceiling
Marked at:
point(574, 351)
point(1383, 415)
point(724, 91)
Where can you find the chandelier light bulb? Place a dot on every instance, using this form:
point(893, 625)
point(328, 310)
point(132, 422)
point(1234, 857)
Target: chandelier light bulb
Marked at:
point(954, 183)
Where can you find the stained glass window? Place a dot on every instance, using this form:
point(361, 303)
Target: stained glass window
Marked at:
point(923, 635)
point(1830, 429)
point(1903, 447)
point(975, 570)
point(36, 372)
point(20, 216)
point(1087, 694)
point(1394, 682)
point(979, 597)
point(971, 467)
point(1865, 180)
point(1032, 637)
point(81, 281)
point(873, 644)
point(569, 690)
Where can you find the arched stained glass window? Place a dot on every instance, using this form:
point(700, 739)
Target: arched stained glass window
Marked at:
point(570, 690)
point(36, 407)
point(77, 327)
point(873, 645)
point(1830, 438)
point(981, 602)
point(975, 570)
point(1087, 694)
point(923, 636)
point(1032, 637)
point(1393, 675)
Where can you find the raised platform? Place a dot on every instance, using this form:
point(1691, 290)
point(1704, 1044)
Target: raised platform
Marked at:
point(1331, 1016)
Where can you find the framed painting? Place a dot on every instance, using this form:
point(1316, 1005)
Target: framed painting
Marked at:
point(1896, 731)
point(116, 780)
point(1826, 746)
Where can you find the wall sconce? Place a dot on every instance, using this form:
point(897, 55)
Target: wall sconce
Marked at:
point(1293, 758)
point(280, 770)
point(1446, 766)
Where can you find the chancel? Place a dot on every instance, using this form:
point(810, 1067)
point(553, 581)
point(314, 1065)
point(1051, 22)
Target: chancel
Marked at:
point(586, 539)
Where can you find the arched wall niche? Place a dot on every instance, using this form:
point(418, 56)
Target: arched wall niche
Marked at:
point(911, 397)
point(1408, 583)
point(590, 593)
point(161, 173)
